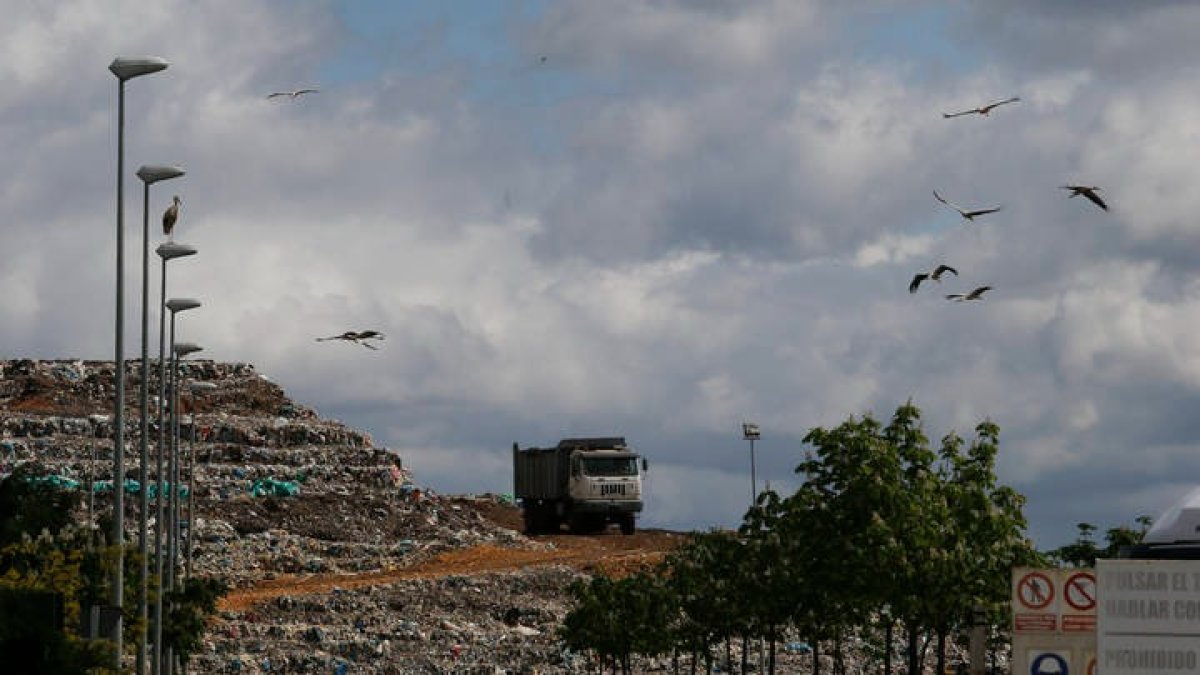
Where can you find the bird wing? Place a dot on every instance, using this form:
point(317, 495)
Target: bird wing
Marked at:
point(916, 282)
point(948, 203)
point(169, 218)
point(989, 107)
point(304, 91)
point(978, 292)
point(980, 212)
point(279, 93)
point(955, 296)
point(942, 269)
point(958, 114)
point(1091, 194)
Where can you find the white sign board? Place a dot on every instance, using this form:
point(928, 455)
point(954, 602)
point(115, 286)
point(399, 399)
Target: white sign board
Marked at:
point(1054, 621)
point(1148, 617)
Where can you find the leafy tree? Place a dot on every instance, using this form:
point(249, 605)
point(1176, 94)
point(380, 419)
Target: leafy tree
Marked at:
point(898, 516)
point(1084, 551)
point(618, 619)
point(190, 608)
point(30, 504)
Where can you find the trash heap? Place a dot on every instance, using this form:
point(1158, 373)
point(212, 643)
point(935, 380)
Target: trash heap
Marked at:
point(283, 497)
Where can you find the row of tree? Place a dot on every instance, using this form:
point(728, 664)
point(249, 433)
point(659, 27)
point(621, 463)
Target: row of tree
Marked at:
point(884, 532)
point(52, 572)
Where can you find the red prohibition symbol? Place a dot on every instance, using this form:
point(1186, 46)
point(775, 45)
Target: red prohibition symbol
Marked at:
point(1035, 590)
point(1080, 591)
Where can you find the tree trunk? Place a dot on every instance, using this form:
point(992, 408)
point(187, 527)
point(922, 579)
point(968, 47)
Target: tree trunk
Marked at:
point(839, 665)
point(771, 651)
point(887, 646)
point(816, 653)
point(941, 651)
point(914, 662)
point(745, 654)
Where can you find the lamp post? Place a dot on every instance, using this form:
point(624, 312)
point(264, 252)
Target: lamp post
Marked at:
point(168, 251)
point(175, 305)
point(193, 388)
point(125, 68)
point(179, 350)
point(750, 433)
point(149, 174)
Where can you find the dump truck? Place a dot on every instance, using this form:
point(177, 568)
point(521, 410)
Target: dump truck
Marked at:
point(585, 483)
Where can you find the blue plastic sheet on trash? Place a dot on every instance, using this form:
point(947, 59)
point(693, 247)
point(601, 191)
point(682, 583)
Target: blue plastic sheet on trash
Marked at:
point(278, 488)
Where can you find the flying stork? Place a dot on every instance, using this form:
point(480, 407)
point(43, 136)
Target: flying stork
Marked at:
point(1086, 191)
point(355, 337)
point(984, 109)
point(293, 94)
point(170, 216)
point(969, 215)
point(936, 275)
point(976, 294)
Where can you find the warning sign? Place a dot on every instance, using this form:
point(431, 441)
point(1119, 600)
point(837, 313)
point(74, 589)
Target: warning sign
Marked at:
point(1054, 620)
point(1080, 591)
point(1035, 590)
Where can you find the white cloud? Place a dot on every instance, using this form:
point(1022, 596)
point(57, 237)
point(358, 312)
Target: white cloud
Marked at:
point(699, 213)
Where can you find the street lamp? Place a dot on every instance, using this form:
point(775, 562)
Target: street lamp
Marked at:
point(193, 388)
point(149, 174)
point(168, 251)
point(174, 305)
point(181, 349)
point(750, 433)
point(125, 68)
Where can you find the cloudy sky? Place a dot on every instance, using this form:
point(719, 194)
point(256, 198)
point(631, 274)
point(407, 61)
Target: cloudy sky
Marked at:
point(651, 218)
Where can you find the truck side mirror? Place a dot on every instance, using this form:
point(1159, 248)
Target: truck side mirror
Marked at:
point(644, 465)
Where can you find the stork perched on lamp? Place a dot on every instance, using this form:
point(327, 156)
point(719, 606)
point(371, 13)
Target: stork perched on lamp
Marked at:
point(170, 216)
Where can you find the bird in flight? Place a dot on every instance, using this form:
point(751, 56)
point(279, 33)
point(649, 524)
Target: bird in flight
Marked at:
point(293, 94)
point(976, 294)
point(936, 275)
point(969, 215)
point(170, 216)
point(357, 338)
point(1086, 191)
point(984, 109)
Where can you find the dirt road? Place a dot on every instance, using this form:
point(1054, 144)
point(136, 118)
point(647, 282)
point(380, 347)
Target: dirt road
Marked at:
point(611, 553)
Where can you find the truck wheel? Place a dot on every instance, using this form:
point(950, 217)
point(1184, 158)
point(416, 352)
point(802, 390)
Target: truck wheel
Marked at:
point(532, 522)
point(627, 526)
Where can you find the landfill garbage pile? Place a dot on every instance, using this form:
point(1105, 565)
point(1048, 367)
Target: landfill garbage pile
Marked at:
point(338, 559)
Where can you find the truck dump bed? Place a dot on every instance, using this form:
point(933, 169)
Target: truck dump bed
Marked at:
point(540, 473)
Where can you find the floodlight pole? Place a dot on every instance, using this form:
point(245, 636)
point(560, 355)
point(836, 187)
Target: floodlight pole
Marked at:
point(751, 433)
point(149, 176)
point(168, 251)
point(124, 69)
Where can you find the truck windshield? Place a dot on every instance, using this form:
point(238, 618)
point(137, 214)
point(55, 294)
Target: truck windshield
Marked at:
point(610, 466)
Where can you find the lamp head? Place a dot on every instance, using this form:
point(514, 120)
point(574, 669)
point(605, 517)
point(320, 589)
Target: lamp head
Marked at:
point(152, 173)
point(129, 67)
point(181, 304)
point(171, 250)
point(750, 431)
point(184, 348)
